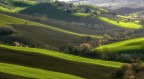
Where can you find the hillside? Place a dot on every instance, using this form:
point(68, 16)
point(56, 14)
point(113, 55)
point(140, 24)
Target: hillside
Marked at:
point(54, 12)
point(124, 24)
point(128, 46)
point(55, 39)
point(15, 5)
point(27, 30)
point(45, 61)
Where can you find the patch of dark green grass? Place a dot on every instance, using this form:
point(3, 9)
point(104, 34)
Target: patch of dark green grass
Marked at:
point(10, 76)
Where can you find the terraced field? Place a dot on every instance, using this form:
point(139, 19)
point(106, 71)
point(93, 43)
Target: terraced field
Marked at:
point(37, 63)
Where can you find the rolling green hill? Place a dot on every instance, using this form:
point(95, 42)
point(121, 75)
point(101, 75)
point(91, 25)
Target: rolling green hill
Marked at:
point(132, 45)
point(7, 20)
point(53, 11)
point(65, 56)
point(34, 63)
point(3, 9)
point(33, 73)
point(122, 24)
point(40, 32)
point(15, 5)
point(39, 29)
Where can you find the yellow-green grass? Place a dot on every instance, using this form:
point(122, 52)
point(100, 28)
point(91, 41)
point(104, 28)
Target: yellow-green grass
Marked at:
point(17, 9)
point(81, 14)
point(66, 56)
point(122, 24)
point(3, 9)
point(133, 44)
point(33, 72)
point(127, 17)
point(6, 20)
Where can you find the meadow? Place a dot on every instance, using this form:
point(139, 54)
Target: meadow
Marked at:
point(41, 62)
point(122, 24)
point(33, 72)
point(132, 45)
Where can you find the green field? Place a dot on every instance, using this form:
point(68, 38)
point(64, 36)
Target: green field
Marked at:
point(17, 5)
point(81, 14)
point(3, 9)
point(132, 45)
point(54, 44)
point(33, 72)
point(34, 63)
point(122, 24)
point(65, 56)
point(6, 20)
point(16, 9)
point(40, 33)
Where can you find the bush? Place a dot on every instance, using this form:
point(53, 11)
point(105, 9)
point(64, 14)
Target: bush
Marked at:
point(6, 30)
point(129, 71)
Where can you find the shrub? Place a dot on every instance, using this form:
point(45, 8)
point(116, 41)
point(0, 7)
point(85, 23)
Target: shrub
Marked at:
point(6, 30)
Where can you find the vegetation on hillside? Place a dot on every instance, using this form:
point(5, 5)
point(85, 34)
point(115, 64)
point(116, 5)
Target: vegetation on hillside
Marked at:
point(51, 39)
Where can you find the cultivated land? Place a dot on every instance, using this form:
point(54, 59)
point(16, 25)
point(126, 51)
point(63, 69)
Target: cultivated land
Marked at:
point(33, 73)
point(46, 62)
point(65, 56)
point(7, 20)
point(40, 32)
point(48, 25)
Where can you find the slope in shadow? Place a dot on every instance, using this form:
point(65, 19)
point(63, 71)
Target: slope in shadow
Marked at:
point(9, 76)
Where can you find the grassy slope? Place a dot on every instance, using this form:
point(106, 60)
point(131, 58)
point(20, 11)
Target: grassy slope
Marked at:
point(122, 24)
point(81, 14)
point(66, 56)
point(109, 28)
point(53, 12)
point(50, 63)
point(17, 6)
point(5, 20)
point(3, 9)
point(134, 45)
point(15, 9)
point(33, 73)
point(40, 32)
